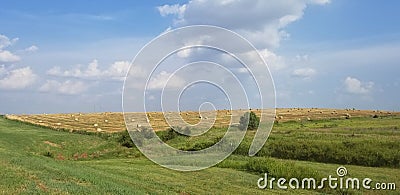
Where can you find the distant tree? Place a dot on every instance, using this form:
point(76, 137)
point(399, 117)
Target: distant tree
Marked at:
point(249, 120)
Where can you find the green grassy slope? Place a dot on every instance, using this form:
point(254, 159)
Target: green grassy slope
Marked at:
point(39, 160)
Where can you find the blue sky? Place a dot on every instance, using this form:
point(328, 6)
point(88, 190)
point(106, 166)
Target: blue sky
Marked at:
point(72, 56)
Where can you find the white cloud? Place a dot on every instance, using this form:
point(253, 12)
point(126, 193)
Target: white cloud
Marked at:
point(117, 71)
point(17, 78)
point(90, 71)
point(260, 21)
point(355, 86)
point(5, 41)
point(172, 10)
point(68, 87)
point(6, 56)
point(304, 73)
point(300, 58)
point(242, 70)
point(32, 48)
point(163, 79)
point(320, 1)
point(274, 61)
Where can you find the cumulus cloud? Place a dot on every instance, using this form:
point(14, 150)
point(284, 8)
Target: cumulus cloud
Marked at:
point(304, 73)
point(67, 88)
point(165, 80)
point(274, 61)
point(117, 71)
point(7, 56)
point(260, 21)
point(17, 78)
point(355, 86)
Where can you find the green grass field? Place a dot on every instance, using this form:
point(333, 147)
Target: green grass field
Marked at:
point(36, 160)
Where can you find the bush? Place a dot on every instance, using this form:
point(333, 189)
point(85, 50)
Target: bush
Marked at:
point(201, 146)
point(249, 121)
point(125, 139)
point(168, 135)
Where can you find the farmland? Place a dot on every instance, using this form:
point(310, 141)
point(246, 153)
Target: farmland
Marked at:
point(114, 122)
point(36, 159)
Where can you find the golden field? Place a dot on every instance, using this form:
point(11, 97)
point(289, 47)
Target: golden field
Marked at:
point(114, 121)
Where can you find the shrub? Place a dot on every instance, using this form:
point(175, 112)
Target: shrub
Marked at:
point(168, 135)
point(249, 121)
point(125, 139)
point(201, 146)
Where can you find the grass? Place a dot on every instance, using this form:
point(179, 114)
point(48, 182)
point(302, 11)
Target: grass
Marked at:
point(26, 168)
point(36, 160)
point(365, 141)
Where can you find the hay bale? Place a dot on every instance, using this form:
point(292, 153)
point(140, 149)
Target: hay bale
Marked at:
point(347, 116)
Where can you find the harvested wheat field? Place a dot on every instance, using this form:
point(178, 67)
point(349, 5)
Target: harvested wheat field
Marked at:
point(114, 122)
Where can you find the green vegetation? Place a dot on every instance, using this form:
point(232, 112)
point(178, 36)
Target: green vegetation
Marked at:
point(249, 121)
point(359, 141)
point(39, 160)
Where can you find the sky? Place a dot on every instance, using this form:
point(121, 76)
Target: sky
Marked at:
point(73, 56)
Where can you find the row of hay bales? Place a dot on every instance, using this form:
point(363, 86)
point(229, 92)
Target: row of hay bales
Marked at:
point(114, 122)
